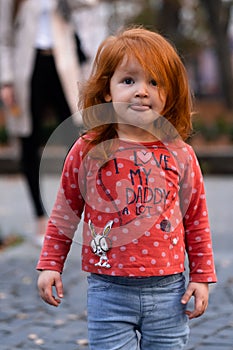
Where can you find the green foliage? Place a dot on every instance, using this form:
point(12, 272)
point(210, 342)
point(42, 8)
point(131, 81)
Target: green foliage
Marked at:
point(217, 128)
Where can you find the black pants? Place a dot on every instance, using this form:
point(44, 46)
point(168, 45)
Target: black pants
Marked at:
point(46, 91)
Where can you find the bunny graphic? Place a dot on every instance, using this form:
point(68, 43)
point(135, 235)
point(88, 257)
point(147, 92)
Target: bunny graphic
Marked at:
point(100, 244)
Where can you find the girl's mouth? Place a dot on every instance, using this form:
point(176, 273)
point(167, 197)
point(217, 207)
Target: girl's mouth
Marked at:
point(140, 107)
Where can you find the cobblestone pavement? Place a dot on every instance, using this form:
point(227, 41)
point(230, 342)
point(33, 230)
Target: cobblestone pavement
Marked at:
point(28, 323)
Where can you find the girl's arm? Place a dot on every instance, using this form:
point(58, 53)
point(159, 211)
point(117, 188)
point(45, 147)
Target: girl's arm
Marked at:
point(196, 223)
point(66, 213)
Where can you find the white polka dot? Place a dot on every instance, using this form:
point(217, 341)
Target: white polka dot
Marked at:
point(119, 184)
point(107, 210)
point(142, 269)
point(132, 258)
point(56, 247)
point(71, 157)
point(120, 266)
point(137, 223)
point(153, 262)
point(66, 217)
point(156, 244)
point(161, 272)
point(53, 263)
point(144, 251)
point(108, 173)
point(67, 174)
point(196, 222)
point(125, 230)
point(163, 254)
point(123, 248)
point(73, 186)
point(75, 170)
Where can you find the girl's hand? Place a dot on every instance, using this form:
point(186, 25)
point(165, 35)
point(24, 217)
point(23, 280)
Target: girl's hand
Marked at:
point(47, 279)
point(200, 291)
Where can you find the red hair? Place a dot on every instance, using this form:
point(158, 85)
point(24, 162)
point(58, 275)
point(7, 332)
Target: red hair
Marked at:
point(158, 57)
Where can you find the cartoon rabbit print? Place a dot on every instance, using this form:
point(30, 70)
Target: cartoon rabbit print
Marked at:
point(100, 244)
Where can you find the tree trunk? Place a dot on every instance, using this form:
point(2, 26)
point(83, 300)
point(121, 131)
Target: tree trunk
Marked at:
point(218, 15)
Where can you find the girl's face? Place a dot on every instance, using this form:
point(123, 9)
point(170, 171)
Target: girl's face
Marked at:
point(136, 98)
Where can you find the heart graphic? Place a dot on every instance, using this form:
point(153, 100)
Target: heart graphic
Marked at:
point(144, 156)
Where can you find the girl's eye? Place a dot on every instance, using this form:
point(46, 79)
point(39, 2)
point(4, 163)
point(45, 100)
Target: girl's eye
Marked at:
point(153, 82)
point(128, 81)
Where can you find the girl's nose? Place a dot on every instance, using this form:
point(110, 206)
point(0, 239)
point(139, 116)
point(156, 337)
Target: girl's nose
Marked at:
point(141, 91)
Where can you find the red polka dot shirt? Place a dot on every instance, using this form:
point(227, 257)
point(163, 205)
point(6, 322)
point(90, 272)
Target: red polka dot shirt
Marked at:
point(143, 209)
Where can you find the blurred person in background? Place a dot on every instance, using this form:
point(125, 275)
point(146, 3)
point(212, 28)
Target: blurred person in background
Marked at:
point(40, 58)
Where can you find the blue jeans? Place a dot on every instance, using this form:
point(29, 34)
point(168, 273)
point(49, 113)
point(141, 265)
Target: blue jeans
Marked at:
point(136, 313)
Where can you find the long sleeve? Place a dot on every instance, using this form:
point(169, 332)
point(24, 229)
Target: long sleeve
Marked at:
point(196, 223)
point(6, 42)
point(66, 213)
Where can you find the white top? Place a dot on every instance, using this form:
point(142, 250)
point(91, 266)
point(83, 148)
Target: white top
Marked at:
point(44, 36)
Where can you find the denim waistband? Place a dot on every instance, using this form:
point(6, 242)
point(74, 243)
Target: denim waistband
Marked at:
point(138, 281)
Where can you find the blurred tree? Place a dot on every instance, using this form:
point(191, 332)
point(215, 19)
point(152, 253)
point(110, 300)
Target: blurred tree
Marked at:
point(218, 14)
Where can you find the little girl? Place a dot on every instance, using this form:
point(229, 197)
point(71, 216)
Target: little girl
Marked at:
point(141, 190)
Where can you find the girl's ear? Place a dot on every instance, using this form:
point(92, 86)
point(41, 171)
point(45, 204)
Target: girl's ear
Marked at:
point(108, 98)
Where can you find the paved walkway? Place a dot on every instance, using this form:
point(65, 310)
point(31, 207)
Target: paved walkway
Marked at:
point(28, 323)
